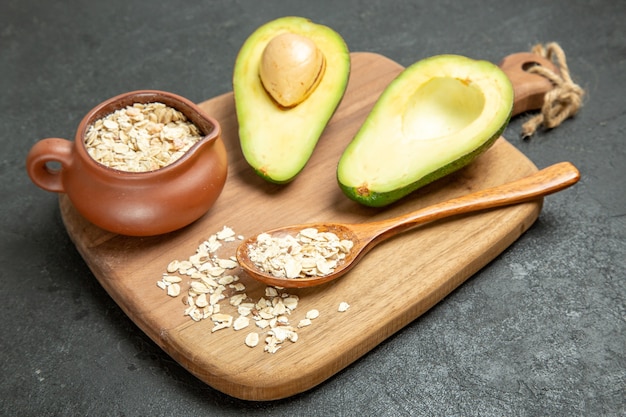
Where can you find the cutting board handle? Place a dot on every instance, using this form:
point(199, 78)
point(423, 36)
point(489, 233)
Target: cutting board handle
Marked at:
point(529, 89)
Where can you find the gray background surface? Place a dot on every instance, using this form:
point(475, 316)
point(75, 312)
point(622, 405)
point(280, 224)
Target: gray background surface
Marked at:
point(540, 331)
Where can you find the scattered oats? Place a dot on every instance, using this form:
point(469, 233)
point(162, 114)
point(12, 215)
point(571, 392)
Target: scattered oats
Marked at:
point(196, 275)
point(199, 259)
point(262, 303)
point(173, 266)
point(262, 323)
point(172, 278)
point(209, 283)
point(173, 290)
point(343, 306)
point(237, 299)
point(216, 297)
point(189, 310)
point(226, 233)
point(183, 266)
point(212, 244)
point(266, 313)
point(191, 271)
point(196, 314)
point(214, 271)
point(201, 300)
point(252, 339)
point(221, 321)
point(241, 322)
point(219, 326)
point(279, 309)
point(291, 302)
point(208, 311)
point(227, 263)
point(200, 287)
point(304, 323)
point(312, 314)
point(271, 292)
point(271, 345)
point(221, 317)
point(282, 333)
point(245, 309)
point(226, 279)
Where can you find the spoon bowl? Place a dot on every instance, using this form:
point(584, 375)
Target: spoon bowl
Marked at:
point(365, 236)
point(352, 232)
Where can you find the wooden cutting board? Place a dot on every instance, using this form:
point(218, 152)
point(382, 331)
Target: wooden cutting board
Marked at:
point(397, 282)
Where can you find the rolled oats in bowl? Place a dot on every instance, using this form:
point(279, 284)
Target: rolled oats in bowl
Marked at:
point(141, 137)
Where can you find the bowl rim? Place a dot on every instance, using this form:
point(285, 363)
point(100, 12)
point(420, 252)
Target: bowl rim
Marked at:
point(208, 126)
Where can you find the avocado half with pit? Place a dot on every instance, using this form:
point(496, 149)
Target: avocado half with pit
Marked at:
point(434, 118)
point(289, 77)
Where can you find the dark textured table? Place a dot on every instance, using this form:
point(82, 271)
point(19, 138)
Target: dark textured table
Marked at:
point(539, 331)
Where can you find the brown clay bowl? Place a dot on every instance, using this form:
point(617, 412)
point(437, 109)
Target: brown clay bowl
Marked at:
point(135, 203)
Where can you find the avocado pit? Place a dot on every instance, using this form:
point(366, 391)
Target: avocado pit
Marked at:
point(291, 67)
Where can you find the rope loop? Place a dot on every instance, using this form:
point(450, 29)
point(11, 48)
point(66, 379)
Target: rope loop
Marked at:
point(560, 103)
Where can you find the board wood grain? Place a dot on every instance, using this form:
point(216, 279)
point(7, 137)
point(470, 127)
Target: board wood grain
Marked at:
point(396, 283)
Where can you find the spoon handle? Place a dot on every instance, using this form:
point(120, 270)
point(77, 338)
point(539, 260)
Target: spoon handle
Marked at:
point(547, 181)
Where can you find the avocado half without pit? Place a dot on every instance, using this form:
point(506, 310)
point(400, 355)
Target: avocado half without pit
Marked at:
point(290, 75)
point(437, 116)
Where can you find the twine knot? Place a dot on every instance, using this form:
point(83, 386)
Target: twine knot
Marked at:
point(560, 103)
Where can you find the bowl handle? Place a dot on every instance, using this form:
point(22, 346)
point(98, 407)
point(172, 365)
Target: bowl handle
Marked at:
point(39, 160)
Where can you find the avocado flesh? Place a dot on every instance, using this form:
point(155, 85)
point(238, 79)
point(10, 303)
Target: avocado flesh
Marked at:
point(434, 118)
point(277, 141)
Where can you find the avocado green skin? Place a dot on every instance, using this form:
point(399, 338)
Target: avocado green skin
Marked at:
point(372, 198)
point(277, 142)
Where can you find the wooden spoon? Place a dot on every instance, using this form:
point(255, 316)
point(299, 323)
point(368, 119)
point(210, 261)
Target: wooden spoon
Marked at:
point(367, 235)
